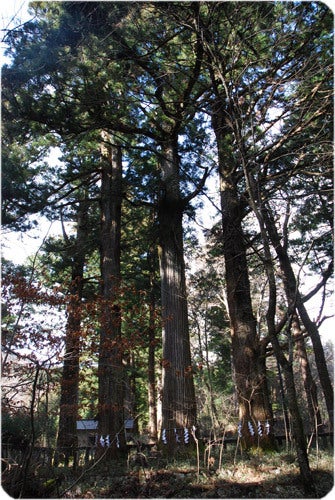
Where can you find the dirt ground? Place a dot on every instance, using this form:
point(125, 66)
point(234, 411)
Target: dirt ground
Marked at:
point(275, 476)
point(228, 475)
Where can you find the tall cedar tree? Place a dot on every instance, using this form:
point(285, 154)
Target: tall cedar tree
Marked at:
point(236, 115)
point(248, 351)
point(154, 97)
point(110, 370)
point(101, 103)
point(67, 440)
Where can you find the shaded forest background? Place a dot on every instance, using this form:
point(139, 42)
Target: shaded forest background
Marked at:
point(186, 150)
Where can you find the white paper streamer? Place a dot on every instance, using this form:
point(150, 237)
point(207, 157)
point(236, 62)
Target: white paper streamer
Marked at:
point(251, 429)
point(267, 427)
point(259, 428)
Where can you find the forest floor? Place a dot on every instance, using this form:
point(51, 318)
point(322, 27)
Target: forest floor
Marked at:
point(256, 476)
point(149, 475)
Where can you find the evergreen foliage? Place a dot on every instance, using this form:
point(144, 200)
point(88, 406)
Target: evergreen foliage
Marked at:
point(145, 104)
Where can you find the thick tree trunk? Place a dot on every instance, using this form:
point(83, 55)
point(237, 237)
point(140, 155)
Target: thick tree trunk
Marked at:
point(248, 356)
point(67, 440)
point(152, 382)
point(152, 393)
point(248, 360)
point(152, 390)
point(178, 396)
point(110, 367)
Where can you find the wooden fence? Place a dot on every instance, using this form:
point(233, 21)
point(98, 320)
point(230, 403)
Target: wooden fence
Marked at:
point(85, 454)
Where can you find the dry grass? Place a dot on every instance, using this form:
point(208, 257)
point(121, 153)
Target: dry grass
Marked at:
point(273, 475)
point(222, 475)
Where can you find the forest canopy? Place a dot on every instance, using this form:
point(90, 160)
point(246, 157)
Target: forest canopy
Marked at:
point(194, 188)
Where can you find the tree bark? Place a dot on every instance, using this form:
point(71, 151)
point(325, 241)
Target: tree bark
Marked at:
point(178, 396)
point(152, 390)
point(295, 302)
point(320, 359)
point(110, 367)
point(297, 423)
point(67, 440)
point(247, 353)
point(307, 378)
point(296, 420)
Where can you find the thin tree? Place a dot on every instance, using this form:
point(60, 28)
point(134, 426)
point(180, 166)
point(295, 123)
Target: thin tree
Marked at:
point(286, 365)
point(295, 302)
